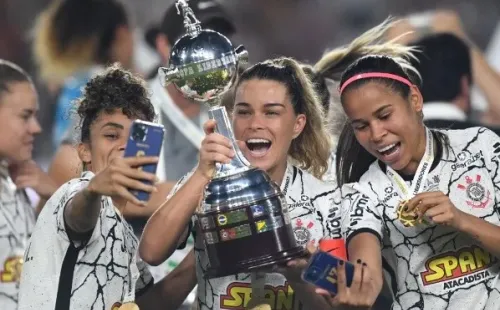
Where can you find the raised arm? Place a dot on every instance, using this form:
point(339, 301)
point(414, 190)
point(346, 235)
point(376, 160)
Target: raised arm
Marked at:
point(362, 227)
point(169, 224)
point(167, 227)
point(81, 212)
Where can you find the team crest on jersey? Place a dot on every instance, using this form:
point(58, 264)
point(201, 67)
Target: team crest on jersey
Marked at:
point(477, 195)
point(301, 231)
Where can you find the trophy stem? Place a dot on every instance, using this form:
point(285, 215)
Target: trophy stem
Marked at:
point(239, 163)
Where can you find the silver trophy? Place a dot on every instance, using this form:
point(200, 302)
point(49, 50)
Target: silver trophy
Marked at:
point(244, 216)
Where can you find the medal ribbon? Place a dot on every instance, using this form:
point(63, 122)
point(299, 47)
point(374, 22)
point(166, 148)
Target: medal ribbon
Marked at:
point(417, 184)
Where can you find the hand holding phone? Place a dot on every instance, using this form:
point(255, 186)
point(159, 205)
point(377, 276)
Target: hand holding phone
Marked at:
point(322, 271)
point(343, 284)
point(145, 139)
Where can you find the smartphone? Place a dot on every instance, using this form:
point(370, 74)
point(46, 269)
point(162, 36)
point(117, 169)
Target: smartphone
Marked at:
point(322, 271)
point(145, 139)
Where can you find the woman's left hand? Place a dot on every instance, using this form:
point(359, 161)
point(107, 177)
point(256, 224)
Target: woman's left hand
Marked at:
point(29, 174)
point(437, 207)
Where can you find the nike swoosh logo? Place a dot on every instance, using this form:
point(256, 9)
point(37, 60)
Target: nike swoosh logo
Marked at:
point(333, 249)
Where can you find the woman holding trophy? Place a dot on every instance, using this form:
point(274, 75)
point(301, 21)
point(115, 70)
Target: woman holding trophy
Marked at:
point(278, 123)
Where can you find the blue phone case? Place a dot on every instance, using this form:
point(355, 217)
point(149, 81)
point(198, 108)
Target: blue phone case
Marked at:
point(145, 139)
point(322, 271)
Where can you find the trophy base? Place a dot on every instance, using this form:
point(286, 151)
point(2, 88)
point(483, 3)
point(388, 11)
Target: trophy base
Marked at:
point(256, 264)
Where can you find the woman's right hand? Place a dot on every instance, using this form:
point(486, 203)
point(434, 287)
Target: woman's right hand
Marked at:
point(215, 148)
point(361, 294)
point(123, 175)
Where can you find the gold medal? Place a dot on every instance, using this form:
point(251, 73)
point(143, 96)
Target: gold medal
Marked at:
point(129, 306)
point(408, 219)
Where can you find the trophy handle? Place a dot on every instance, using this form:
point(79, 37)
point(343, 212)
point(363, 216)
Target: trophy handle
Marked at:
point(239, 163)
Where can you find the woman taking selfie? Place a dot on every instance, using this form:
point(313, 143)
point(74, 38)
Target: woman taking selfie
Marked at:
point(278, 122)
point(430, 196)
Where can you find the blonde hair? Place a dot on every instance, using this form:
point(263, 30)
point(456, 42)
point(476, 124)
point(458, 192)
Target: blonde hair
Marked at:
point(56, 63)
point(312, 148)
point(334, 62)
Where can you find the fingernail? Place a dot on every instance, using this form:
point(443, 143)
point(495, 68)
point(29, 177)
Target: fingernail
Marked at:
point(155, 189)
point(341, 262)
point(358, 261)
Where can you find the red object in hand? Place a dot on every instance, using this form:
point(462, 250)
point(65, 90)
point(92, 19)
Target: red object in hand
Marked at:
point(334, 247)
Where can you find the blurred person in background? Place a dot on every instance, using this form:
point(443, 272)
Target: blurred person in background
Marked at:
point(484, 76)
point(74, 40)
point(444, 63)
point(18, 171)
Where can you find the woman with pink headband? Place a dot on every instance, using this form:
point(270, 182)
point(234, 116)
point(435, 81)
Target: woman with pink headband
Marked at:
point(428, 196)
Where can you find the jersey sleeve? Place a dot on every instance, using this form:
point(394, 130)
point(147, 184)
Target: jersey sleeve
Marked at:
point(490, 143)
point(360, 213)
point(65, 194)
point(145, 280)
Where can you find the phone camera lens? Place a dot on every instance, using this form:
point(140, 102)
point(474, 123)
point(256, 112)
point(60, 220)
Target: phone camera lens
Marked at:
point(139, 133)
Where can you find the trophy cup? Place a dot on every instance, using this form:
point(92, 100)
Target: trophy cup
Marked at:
point(243, 217)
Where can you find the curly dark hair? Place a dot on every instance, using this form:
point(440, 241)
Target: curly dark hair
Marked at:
point(114, 89)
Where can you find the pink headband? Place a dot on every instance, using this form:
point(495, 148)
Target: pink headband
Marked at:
point(375, 75)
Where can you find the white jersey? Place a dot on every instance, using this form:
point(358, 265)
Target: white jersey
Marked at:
point(314, 208)
point(437, 266)
point(17, 219)
point(61, 274)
